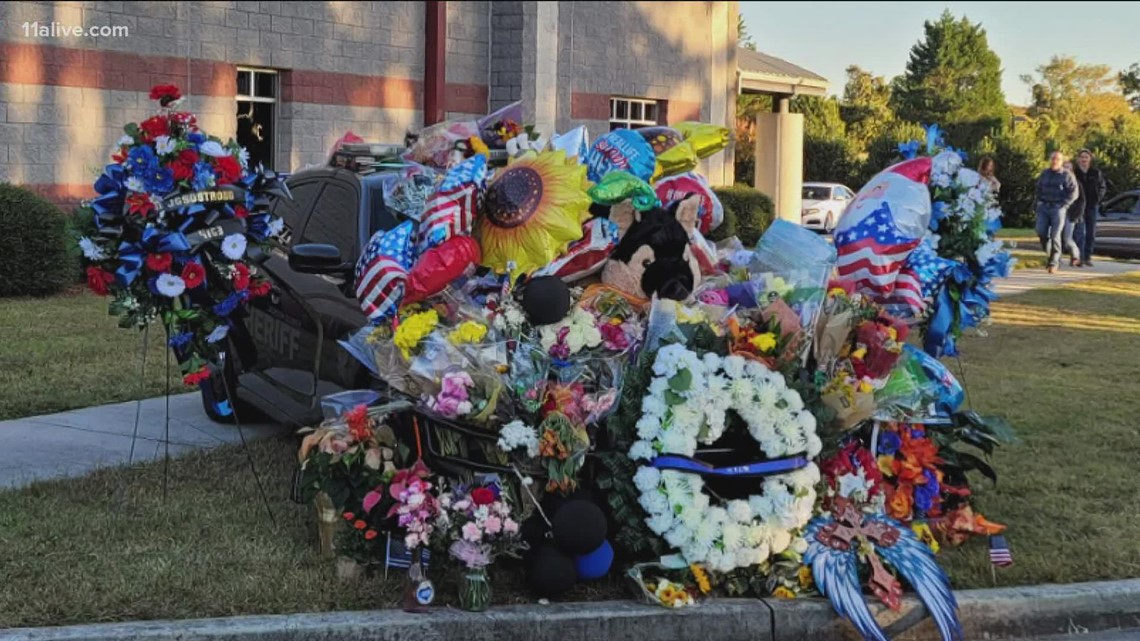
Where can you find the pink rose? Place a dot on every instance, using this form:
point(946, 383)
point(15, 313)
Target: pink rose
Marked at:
point(510, 527)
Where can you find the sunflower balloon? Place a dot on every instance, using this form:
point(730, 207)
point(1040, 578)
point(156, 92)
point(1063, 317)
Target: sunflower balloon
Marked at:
point(532, 210)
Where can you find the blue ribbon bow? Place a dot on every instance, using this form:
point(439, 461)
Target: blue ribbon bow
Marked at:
point(132, 255)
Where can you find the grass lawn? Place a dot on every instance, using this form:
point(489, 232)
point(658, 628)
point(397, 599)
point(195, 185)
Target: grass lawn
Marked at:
point(1007, 233)
point(65, 351)
point(1059, 364)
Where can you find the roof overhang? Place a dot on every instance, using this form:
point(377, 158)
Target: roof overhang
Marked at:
point(754, 82)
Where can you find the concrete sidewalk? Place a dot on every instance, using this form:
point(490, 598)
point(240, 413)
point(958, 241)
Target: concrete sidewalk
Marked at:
point(1023, 280)
point(76, 442)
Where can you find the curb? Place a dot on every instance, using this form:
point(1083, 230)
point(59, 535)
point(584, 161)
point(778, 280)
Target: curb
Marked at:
point(985, 614)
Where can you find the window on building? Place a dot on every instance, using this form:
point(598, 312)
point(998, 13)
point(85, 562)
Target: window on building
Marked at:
point(257, 114)
point(633, 113)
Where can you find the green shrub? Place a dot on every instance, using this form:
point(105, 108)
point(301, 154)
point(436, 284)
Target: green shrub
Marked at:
point(35, 256)
point(750, 213)
point(833, 159)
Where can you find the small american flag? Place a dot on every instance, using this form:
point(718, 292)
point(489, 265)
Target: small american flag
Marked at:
point(382, 272)
point(999, 552)
point(871, 253)
point(449, 213)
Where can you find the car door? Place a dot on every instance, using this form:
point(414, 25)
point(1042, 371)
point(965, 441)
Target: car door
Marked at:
point(1118, 227)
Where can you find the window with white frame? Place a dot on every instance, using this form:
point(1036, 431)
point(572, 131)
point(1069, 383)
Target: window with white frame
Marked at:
point(633, 113)
point(257, 114)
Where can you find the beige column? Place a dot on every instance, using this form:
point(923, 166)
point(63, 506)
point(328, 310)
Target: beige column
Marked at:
point(780, 160)
point(546, 67)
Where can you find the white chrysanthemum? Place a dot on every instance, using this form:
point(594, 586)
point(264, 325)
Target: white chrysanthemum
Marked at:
point(969, 178)
point(170, 285)
point(692, 516)
point(695, 552)
point(654, 503)
point(653, 406)
point(761, 505)
point(706, 533)
point(718, 515)
point(125, 140)
point(747, 557)
point(739, 511)
point(657, 387)
point(648, 427)
point(660, 523)
point(134, 183)
point(233, 246)
point(796, 442)
point(758, 534)
point(642, 451)
point(519, 435)
point(676, 442)
point(647, 479)
point(679, 535)
point(815, 445)
point(91, 250)
point(940, 180)
point(781, 539)
point(218, 334)
point(732, 536)
point(734, 366)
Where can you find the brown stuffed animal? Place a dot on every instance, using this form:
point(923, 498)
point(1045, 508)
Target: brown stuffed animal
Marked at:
point(654, 256)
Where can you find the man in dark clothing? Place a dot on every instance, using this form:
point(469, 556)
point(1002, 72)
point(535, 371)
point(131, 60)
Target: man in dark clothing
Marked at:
point(1092, 185)
point(1056, 190)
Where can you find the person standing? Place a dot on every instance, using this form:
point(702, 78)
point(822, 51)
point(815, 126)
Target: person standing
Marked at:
point(1092, 185)
point(987, 167)
point(1056, 189)
point(1074, 220)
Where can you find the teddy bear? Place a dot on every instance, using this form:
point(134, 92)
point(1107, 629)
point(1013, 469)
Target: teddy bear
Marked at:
point(654, 256)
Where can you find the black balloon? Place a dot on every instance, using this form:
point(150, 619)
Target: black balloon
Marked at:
point(533, 531)
point(550, 572)
point(579, 527)
point(546, 300)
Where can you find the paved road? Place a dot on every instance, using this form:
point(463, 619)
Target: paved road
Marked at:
point(76, 442)
point(1107, 635)
point(1023, 280)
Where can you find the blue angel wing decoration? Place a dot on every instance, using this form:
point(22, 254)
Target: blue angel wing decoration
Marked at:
point(914, 561)
point(836, 574)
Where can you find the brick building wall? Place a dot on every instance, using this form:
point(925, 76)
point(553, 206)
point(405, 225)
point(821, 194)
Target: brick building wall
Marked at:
point(341, 66)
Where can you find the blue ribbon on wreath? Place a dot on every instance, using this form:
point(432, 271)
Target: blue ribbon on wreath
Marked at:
point(108, 205)
point(132, 255)
point(973, 295)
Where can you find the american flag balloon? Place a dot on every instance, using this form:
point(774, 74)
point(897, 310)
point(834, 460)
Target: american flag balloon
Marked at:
point(382, 272)
point(450, 211)
point(921, 278)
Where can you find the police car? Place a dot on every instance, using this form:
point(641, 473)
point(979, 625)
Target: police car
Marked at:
point(283, 356)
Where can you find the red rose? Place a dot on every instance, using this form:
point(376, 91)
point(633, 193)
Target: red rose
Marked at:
point(154, 127)
point(241, 277)
point(260, 288)
point(193, 275)
point(183, 165)
point(228, 168)
point(193, 378)
point(482, 496)
point(240, 211)
point(158, 262)
point(99, 280)
point(165, 94)
point(120, 156)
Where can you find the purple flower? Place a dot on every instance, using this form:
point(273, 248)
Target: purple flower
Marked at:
point(889, 442)
point(927, 493)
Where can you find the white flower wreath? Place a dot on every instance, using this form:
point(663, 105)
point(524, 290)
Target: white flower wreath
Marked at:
point(688, 402)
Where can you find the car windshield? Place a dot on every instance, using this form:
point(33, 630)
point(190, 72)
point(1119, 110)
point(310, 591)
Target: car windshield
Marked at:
point(815, 192)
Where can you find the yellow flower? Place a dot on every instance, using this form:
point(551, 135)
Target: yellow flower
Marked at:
point(893, 333)
point(763, 342)
point(922, 531)
point(865, 386)
point(783, 593)
point(702, 578)
point(478, 146)
point(838, 292)
point(615, 321)
point(467, 332)
point(414, 329)
point(859, 353)
point(804, 574)
point(886, 465)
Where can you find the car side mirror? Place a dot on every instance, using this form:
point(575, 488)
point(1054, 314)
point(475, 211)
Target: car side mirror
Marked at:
point(316, 258)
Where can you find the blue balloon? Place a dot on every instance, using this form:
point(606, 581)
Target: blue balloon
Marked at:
point(620, 149)
point(596, 564)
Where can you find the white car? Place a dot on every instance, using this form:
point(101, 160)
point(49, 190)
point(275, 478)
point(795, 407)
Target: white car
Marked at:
point(823, 204)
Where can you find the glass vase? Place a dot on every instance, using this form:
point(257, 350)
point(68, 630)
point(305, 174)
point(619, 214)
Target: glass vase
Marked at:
point(475, 590)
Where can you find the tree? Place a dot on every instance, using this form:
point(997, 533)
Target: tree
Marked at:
point(1129, 80)
point(743, 38)
point(866, 106)
point(952, 79)
point(1078, 98)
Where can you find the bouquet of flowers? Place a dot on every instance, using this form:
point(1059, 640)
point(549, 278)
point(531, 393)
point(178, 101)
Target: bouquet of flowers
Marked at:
point(862, 366)
point(475, 524)
point(345, 454)
point(603, 320)
point(169, 233)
